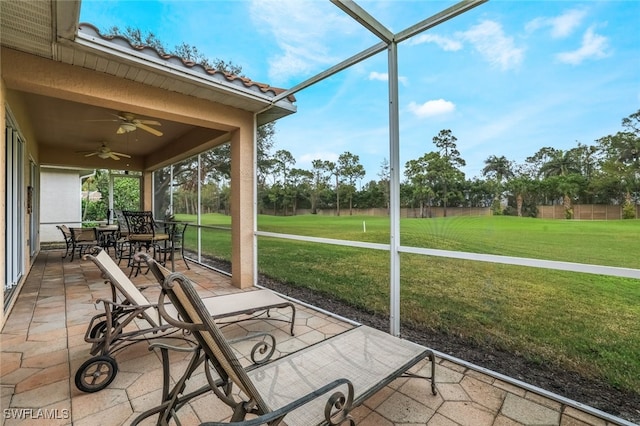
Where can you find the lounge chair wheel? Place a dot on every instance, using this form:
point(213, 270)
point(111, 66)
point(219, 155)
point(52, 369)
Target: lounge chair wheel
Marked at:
point(96, 373)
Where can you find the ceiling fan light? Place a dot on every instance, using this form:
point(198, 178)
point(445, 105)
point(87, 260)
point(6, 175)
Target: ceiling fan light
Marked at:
point(128, 127)
point(104, 155)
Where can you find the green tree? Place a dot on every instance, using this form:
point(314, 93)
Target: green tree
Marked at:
point(424, 175)
point(560, 163)
point(623, 160)
point(479, 192)
point(587, 157)
point(564, 165)
point(498, 168)
point(299, 186)
point(534, 163)
point(351, 171)
point(385, 181)
point(446, 143)
point(98, 183)
point(334, 170)
point(373, 195)
point(283, 162)
point(126, 193)
point(520, 186)
point(319, 182)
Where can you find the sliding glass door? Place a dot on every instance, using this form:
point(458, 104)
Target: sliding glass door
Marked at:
point(15, 207)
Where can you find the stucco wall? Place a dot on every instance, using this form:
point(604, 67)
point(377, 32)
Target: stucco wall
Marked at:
point(60, 202)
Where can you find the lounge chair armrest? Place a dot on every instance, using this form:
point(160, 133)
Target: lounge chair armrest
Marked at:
point(261, 351)
point(336, 410)
point(125, 307)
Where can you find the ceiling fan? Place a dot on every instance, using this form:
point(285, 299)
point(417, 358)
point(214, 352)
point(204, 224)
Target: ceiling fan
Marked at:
point(105, 152)
point(129, 123)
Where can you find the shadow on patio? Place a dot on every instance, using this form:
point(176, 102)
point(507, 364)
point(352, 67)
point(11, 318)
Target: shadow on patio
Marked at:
point(43, 345)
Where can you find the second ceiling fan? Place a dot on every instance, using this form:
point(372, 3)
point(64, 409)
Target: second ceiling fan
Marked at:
point(105, 152)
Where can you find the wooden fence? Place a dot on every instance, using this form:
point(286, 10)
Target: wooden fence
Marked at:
point(580, 212)
point(585, 212)
point(404, 212)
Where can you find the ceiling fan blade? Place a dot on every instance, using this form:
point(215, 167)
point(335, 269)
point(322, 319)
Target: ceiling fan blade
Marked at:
point(90, 154)
point(149, 129)
point(121, 131)
point(120, 154)
point(149, 122)
point(113, 156)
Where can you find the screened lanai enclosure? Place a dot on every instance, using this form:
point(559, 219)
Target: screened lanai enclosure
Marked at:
point(199, 186)
point(516, 287)
point(459, 275)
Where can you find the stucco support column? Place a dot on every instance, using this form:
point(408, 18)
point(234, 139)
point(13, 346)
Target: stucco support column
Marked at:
point(242, 211)
point(146, 188)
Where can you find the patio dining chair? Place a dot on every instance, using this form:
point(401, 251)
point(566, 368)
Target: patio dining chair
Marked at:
point(68, 239)
point(143, 234)
point(320, 384)
point(113, 330)
point(82, 240)
point(175, 244)
point(124, 247)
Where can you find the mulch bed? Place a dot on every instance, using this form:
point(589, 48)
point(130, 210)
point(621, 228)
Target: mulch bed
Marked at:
point(569, 384)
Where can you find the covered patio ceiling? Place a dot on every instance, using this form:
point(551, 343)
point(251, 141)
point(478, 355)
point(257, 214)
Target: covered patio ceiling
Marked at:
point(79, 129)
point(67, 125)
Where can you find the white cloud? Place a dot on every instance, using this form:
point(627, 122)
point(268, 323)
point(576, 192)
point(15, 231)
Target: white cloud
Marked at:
point(489, 39)
point(594, 46)
point(432, 108)
point(561, 26)
point(446, 44)
point(302, 37)
point(383, 76)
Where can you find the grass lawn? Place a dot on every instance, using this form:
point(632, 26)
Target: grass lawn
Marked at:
point(587, 323)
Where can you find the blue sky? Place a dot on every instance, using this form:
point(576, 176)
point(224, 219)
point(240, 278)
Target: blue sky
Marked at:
point(507, 78)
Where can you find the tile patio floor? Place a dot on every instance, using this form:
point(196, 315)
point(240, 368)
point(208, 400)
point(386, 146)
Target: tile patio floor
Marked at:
point(42, 345)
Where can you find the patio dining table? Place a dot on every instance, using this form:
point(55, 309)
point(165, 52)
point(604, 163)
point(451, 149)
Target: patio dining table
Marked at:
point(107, 236)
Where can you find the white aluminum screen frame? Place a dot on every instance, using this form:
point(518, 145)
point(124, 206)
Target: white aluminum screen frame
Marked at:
point(390, 42)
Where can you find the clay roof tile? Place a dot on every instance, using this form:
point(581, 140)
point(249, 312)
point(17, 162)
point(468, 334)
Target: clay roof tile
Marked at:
point(124, 42)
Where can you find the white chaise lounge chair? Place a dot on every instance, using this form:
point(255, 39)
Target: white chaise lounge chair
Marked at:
point(320, 384)
point(108, 332)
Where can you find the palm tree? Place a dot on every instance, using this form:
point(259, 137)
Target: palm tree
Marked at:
point(519, 186)
point(563, 164)
point(499, 168)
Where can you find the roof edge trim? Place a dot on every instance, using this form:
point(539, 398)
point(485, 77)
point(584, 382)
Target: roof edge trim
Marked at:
point(89, 36)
